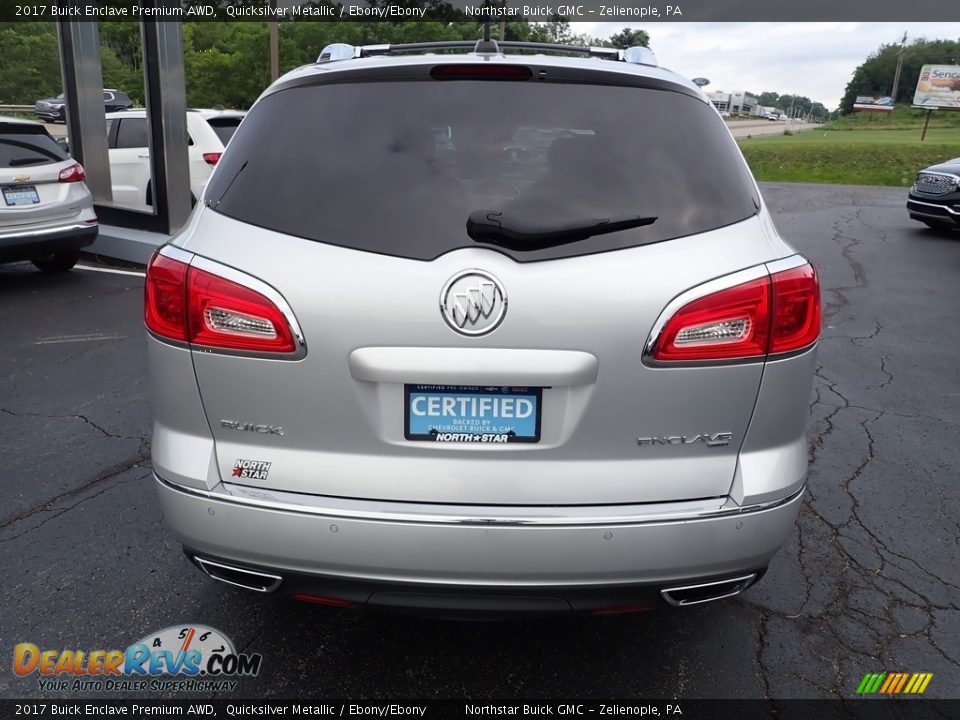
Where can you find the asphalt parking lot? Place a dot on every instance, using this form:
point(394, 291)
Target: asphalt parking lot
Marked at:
point(869, 581)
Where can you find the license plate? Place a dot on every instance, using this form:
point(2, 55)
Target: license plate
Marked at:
point(20, 195)
point(472, 414)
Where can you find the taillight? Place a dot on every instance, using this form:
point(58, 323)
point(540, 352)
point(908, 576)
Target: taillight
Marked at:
point(223, 314)
point(211, 158)
point(796, 309)
point(73, 173)
point(165, 302)
point(776, 314)
point(188, 304)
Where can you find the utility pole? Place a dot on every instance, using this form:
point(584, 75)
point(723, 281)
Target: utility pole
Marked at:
point(274, 46)
point(896, 75)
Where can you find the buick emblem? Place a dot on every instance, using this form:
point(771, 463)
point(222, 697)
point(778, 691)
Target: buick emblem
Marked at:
point(473, 302)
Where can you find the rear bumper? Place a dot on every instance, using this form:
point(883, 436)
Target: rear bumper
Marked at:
point(389, 558)
point(27, 244)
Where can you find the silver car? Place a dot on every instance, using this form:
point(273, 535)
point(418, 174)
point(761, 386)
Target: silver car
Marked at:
point(46, 210)
point(405, 357)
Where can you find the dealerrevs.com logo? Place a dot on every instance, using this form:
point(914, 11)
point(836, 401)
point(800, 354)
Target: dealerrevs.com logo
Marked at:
point(188, 658)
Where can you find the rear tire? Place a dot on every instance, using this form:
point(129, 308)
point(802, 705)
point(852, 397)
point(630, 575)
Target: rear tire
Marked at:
point(58, 262)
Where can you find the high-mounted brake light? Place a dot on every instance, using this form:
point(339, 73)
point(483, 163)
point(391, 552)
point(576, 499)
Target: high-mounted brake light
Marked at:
point(211, 158)
point(187, 304)
point(72, 173)
point(484, 71)
point(772, 315)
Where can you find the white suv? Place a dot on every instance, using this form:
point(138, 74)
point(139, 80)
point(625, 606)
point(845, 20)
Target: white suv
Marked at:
point(128, 141)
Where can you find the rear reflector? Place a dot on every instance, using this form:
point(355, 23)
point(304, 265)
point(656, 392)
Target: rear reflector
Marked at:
point(211, 158)
point(768, 316)
point(481, 71)
point(187, 304)
point(322, 600)
point(73, 173)
point(620, 610)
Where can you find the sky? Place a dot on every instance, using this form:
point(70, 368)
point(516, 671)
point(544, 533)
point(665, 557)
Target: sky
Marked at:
point(812, 59)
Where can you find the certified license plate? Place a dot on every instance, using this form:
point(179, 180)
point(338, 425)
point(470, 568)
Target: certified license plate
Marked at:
point(20, 195)
point(472, 414)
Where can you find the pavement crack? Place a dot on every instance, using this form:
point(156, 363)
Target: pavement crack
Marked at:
point(65, 510)
point(111, 472)
point(84, 418)
point(883, 369)
point(761, 641)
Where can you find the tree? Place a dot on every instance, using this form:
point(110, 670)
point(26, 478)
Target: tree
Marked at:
point(628, 38)
point(29, 62)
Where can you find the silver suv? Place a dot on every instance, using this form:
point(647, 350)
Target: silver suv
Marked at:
point(482, 332)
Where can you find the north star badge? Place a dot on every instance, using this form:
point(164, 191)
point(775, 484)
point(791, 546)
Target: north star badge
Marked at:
point(251, 469)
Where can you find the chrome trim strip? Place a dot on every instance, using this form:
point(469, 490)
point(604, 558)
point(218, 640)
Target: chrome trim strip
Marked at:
point(241, 278)
point(311, 506)
point(743, 581)
point(276, 580)
point(47, 231)
point(933, 205)
point(787, 263)
point(175, 253)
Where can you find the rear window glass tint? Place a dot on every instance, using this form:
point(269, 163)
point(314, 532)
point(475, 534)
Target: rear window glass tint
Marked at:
point(224, 127)
point(27, 145)
point(396, 168)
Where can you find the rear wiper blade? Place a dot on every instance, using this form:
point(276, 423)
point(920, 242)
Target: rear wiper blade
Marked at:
point(491, 226)
point(17, 162)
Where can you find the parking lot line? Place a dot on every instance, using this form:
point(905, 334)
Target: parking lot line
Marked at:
point(95, 337)
point(112, 271)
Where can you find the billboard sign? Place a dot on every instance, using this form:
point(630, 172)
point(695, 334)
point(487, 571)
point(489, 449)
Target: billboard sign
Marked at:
point(938, 87)
point(868, 103)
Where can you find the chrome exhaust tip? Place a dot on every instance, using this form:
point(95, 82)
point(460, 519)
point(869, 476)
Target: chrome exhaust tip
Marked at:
point(241, 577)
point(707, 592)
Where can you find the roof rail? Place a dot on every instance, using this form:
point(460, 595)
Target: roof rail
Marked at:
point(342, 51)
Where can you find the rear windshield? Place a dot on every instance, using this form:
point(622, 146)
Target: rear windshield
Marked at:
point(396, 168)
point(224, 127)
point(25, 145)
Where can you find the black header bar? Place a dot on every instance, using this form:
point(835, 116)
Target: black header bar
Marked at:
point(631, 11)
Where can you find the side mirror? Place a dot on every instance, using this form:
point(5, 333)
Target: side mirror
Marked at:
point(64, 143)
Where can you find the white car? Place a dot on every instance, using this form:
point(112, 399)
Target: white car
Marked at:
point(128, 143)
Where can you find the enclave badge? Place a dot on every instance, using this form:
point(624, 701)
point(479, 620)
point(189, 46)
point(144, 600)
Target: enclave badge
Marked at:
point(708, 439)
